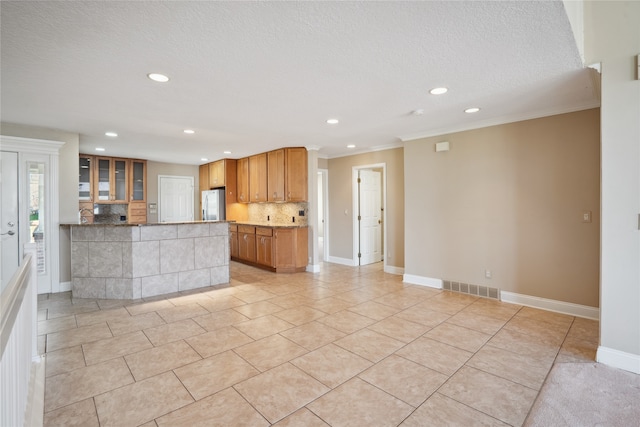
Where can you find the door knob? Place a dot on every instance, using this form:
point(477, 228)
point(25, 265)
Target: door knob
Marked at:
point(10, 233)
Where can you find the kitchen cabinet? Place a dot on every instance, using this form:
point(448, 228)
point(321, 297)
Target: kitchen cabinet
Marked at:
point(203, 180)
point(85, 178)
point(258, 178)
point(217, 174)
point(296, 174)
point(242, 180)
point(137, 210)
point(230, 180)
point(264, 246)
point(233, 241)
point(275, 180)
point(247, 243)
point(277, 249)
point(111, 180)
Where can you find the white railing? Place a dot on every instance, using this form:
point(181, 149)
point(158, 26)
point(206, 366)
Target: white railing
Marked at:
point(19, 350)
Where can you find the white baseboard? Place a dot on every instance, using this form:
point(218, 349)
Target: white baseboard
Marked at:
point(313, 268)
point(552, 305)
point(392, 269)
point(343, 261)
point(618, 359)
point(423, 281)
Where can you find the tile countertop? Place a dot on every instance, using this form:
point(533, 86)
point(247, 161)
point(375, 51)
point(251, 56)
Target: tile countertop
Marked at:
point(124, 224)
point(269, 224)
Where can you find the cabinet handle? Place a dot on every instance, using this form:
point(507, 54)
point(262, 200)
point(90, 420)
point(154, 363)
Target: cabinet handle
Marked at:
point(289, 195)
point(245, 237)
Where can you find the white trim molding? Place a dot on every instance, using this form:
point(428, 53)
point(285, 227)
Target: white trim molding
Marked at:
point(423, 281)
point(618, 359)
point(551, 305)
point(392, 269)
point(64, 287)
point(342, 261)
point(313, 268)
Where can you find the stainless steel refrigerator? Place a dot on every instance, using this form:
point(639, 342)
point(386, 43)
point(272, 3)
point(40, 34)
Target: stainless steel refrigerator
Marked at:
point(213, 206)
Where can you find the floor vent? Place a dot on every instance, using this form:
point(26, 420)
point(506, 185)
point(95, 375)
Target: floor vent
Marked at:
point(466, 288)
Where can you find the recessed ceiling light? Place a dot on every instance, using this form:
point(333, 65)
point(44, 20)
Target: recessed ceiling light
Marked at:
point(189, 131)
point(227, 152)
point(438, 90)
point(204, 159)
point(99, 149)
point(418, 112)
point(351, 146)
point(472, 110)
point(111, 134)
point(333, 121)
point(160, 78)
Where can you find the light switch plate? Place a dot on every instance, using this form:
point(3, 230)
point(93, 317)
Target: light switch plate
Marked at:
point(586, 216)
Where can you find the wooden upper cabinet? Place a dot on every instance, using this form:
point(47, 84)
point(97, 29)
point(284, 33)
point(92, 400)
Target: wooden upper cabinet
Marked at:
point(275, 181)
point(217, 174)
point(85, 178)
point(296, 174)
point(242, 180)
point(204, 177)
point(138, 180)
point(111, 180)
point(258, 178)
point(230, 177)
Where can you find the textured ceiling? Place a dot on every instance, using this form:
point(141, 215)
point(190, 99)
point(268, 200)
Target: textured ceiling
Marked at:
point(253, 76)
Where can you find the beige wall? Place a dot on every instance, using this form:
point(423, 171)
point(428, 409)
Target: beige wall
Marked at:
point(323, 163)
point(68, 184)
point(157, 168)
point(341, 199)
point(509, 199)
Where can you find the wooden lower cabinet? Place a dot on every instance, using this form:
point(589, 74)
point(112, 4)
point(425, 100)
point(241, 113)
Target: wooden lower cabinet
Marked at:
point(247, 243)
point(278, 249)
point(233, 241)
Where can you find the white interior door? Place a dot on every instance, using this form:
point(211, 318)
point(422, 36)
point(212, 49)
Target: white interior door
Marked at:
point(175, 198)
point(10, 247)
point(370, 202)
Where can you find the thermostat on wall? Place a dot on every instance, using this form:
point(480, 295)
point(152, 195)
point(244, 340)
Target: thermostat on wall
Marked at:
point(442, 146)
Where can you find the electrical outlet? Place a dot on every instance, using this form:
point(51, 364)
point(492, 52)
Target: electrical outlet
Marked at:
point(487, 274)
point(586, 216)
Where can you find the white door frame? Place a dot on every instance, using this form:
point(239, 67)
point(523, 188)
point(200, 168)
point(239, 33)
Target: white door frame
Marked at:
point(40, 150)
point(160, 194)
point(354, 192)
point(325, 213)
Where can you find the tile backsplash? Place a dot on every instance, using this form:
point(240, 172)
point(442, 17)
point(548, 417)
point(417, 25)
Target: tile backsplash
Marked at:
point(278, 213)
point(109, 214)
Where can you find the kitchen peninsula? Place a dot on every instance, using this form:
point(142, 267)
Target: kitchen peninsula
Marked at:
point(127, 261)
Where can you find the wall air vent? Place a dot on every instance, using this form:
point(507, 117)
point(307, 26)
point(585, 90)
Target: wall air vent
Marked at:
point(469, 289)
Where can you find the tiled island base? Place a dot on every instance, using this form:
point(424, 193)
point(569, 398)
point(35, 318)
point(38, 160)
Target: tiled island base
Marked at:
point(138, 261)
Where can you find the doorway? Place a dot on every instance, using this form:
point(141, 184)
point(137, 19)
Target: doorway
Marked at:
point(323, 217)
point(175, 198)
point(10, 238)
point(30, 168)
point(369, 199)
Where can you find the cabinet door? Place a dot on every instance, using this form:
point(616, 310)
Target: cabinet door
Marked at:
point(275, 181)
point(285, 248)
point(230, 177)
point(233, 244)
point(242, 181)
point(138, 189)
point(296, 174)
point(204, 177)
point(258, 178)
point(120, 181)
point(85, 180)
point(264, 250)
point(247, 246)
point(103, 179)
point(216, 174)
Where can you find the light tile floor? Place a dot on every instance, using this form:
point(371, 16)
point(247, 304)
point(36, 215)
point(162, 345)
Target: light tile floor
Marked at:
point(346, 346)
